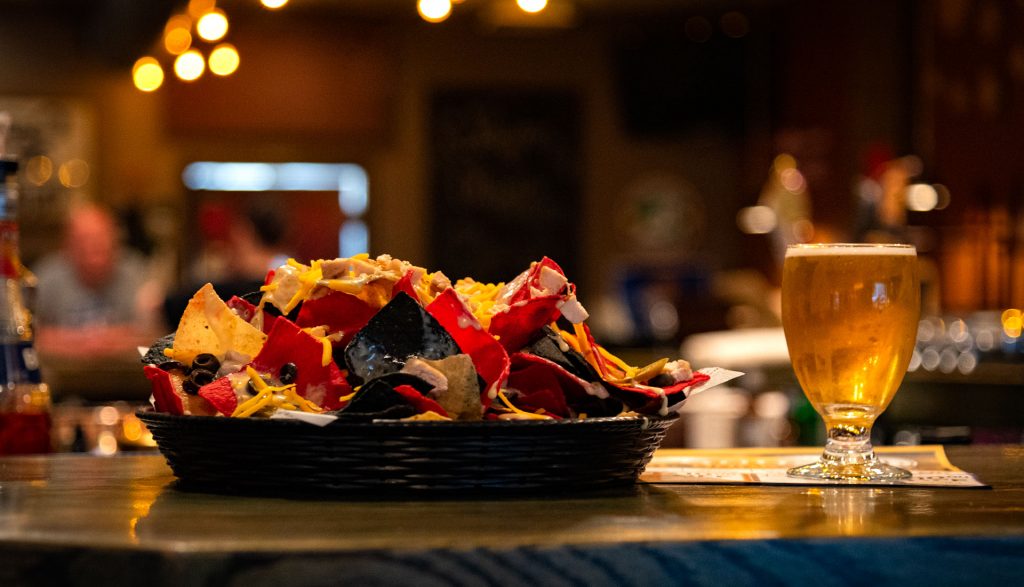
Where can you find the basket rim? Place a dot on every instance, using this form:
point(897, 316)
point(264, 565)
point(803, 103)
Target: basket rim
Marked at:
point(152, 414)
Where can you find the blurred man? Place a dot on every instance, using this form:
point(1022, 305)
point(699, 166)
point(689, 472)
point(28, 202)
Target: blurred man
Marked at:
point(251, 246)
point(93, 298)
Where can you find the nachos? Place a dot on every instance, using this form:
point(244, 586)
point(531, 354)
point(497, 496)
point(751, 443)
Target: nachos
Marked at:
point(365, 339)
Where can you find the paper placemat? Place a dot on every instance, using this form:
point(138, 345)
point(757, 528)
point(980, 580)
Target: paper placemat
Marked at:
point(767, 466)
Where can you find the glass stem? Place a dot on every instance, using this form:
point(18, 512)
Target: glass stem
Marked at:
point(849, 444)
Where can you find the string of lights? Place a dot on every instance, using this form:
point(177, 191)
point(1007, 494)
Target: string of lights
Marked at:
point(193, 42)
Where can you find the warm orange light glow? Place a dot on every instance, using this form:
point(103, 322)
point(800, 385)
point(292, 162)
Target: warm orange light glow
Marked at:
point(274, 4)
point(783, 162)
point(735, 24)
point(434, 10)
point(213, 25)
point(532, 6)
point(1012, 322)
point(177, 40)
point(224, 59)
point(39, 169)
point(147, 74)
point(74, 173)
point(189, 66)
point(197, 8)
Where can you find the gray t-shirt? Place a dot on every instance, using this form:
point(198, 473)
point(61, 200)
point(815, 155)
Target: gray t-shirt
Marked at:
point(61, 300)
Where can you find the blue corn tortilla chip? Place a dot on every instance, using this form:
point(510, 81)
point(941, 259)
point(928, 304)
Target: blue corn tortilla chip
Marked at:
point(400, 330)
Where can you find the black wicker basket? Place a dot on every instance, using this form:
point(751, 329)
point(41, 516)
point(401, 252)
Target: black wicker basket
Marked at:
point(287, 457)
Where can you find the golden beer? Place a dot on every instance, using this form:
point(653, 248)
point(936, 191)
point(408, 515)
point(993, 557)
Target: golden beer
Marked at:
point(850, 315)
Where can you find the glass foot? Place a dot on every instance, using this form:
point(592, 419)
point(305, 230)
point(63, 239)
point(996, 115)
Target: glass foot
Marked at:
point(871, 471)
point(849, 457)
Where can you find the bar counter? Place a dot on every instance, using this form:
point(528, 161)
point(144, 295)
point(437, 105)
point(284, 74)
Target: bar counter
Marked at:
point(85, 520)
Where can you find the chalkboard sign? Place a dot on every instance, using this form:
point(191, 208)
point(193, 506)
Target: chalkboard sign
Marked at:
point(506, 178)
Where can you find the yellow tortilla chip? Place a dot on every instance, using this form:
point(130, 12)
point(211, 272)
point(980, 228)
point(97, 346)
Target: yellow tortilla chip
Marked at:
point(209, 326)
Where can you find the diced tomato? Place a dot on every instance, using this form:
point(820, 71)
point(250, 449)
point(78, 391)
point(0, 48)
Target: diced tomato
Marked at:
point(528, 311)
point(532, 280)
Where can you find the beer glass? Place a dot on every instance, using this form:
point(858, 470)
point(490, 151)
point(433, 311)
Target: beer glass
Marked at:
point(850, 314)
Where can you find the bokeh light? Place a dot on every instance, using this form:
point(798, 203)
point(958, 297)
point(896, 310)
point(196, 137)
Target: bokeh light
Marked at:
point(73, 173)
point(532, 6)
point(734, 24)
point(792, 180)
point(213, 25)
point(197, 8)
point(189, 66)
point(274, 4)
point(224, 59)
point(108, 415)
point(177, 40)
point(756, 220)
point(39, 169)
point(147, 74)
point(943, 196)
point(1012, 322)
point(434, 10)
point(922, 197)
point(106, 443)
point(783, 162)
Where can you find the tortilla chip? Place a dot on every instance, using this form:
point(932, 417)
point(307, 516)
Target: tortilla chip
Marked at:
point(461, 399)
point(209, 326)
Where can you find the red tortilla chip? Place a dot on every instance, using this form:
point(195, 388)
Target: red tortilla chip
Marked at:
point(544, 384)
point(516, 327)
point(528, 312)
point(649, 401)
point(242, 307)
point(321, 384)
point(489, 357)
point(419, 401)
point(220, 395)
point(405, 285)
point(164, 398)
point(532, 280)
point(247, 312)
point(339, 312)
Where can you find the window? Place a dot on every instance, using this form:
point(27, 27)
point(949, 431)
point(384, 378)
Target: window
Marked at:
point(348, 180)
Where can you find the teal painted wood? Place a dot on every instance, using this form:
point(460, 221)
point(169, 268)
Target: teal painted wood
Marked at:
point(906, 562)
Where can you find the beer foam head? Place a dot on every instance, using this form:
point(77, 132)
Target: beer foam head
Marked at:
point(849, 249)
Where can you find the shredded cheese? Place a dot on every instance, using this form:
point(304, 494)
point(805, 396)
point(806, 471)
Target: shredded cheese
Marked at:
point(480, 298)
point(520, 412)
point(309, 277)
point(586, 350)
point(568, 338)
point(282, 397)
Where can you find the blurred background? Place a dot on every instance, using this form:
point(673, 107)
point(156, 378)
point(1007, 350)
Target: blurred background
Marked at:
point(664, 152)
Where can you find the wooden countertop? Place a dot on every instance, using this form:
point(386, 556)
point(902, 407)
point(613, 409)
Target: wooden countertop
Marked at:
point(70, 519)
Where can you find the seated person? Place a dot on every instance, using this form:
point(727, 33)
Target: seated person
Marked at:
point(252, 247)
point(93, 299)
